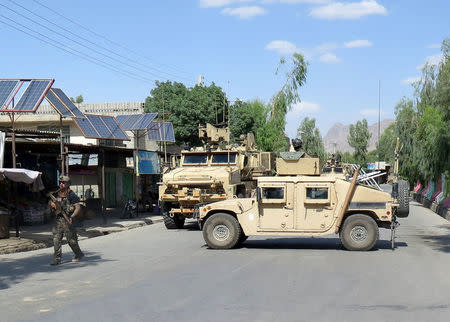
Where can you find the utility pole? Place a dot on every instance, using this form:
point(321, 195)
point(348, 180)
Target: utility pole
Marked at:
point(379, 118)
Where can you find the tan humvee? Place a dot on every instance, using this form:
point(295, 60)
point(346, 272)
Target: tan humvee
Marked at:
point(210, 173)
point(296, 204)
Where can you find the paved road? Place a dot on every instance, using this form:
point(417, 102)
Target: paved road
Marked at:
point(150, 274)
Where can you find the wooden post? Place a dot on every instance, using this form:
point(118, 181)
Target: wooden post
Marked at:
point(66, 158)
point(103, 188)
point(348, 198)
point(13, 141)
point(136, 170)
point(61, 146)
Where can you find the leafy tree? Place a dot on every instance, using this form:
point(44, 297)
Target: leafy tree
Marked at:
point(187, 108)
point(270, 136)
point(312, 140)
point(347, 157)
point(358, 139)
point(79, 99)
point(386, 145)
point(372, 156)
point(247, 117)
point(295, 78)
point(432, 149)
point(406, 125)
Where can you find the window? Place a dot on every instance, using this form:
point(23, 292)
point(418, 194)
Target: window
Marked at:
point(273, 193)
point(194, 158)
point(317, 193)
point(223, 158)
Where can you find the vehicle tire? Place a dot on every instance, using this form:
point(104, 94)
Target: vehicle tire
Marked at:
point(242, 238)
point(174, 222)
point(403, 199)
point(359, 232)
point(221, 231)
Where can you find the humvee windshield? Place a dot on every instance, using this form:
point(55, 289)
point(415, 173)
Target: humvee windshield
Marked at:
point(195, 158)
point(223, 158)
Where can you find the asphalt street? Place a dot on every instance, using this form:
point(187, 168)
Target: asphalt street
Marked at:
point(151, 274)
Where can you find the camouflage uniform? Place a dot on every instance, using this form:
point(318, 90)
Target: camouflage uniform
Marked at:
point(63, 228)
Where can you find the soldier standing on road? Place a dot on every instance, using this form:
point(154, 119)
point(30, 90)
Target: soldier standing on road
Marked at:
point(70, 204)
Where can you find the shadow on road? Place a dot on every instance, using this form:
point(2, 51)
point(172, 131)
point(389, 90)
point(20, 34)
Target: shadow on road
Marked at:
point(191, 226)
point(439, 242)
point(13, 271)
point(310, 243)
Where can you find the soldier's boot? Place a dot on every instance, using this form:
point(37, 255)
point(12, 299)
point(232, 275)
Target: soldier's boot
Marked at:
point(77, 258)
point(56, 261)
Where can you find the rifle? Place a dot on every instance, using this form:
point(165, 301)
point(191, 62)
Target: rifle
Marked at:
point(59, 209)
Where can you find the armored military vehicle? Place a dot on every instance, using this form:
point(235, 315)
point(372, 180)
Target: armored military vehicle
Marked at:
point(299, 201)
point(214, 172)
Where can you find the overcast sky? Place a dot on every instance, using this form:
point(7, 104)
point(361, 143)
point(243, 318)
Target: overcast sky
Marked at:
point(114, 51)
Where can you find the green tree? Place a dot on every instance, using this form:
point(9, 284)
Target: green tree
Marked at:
point(79, 99)
point(295, 78)
point(187, 108)
point(347, 157)
point(358, 139)
point(312, 140)
point(247, 117)
point(406, 124)
point(386, 145)
point(270, 136)
point(372, 156)
point(433, 153)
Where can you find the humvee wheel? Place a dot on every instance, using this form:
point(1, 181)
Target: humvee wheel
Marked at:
point(221, 231)
point(359, 232)
point(242, 238)
point(174, 222)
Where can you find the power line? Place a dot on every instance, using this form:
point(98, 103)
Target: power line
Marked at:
point(77, 42)
point(74, 51)
point(105, 38)
point(95, 44)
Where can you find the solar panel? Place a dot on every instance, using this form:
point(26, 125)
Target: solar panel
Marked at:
point(136, 121)
point(161, 131)
point(67, 102)
point(127, 121)
point(167, 132)
point(6, 89)
point(99, 126)
point(57, 104)
point(86, 128)
point(145, 121)
point(33, 95)
point(114, 127)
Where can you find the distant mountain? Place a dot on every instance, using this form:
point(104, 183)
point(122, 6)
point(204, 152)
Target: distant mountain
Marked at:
point(338, 134)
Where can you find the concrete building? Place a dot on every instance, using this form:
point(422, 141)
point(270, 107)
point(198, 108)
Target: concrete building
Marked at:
point(92, 163)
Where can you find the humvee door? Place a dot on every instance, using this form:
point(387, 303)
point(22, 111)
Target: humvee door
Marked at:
point(315, 204)
point(276, 207)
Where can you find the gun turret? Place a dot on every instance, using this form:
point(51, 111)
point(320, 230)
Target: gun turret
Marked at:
point(214, 134)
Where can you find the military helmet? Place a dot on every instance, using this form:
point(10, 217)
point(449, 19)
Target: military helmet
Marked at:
point(64, 179)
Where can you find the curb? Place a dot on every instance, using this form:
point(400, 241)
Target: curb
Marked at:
point(20, 244)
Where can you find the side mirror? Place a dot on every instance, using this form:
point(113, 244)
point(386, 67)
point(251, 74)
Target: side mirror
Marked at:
point(258, 194)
